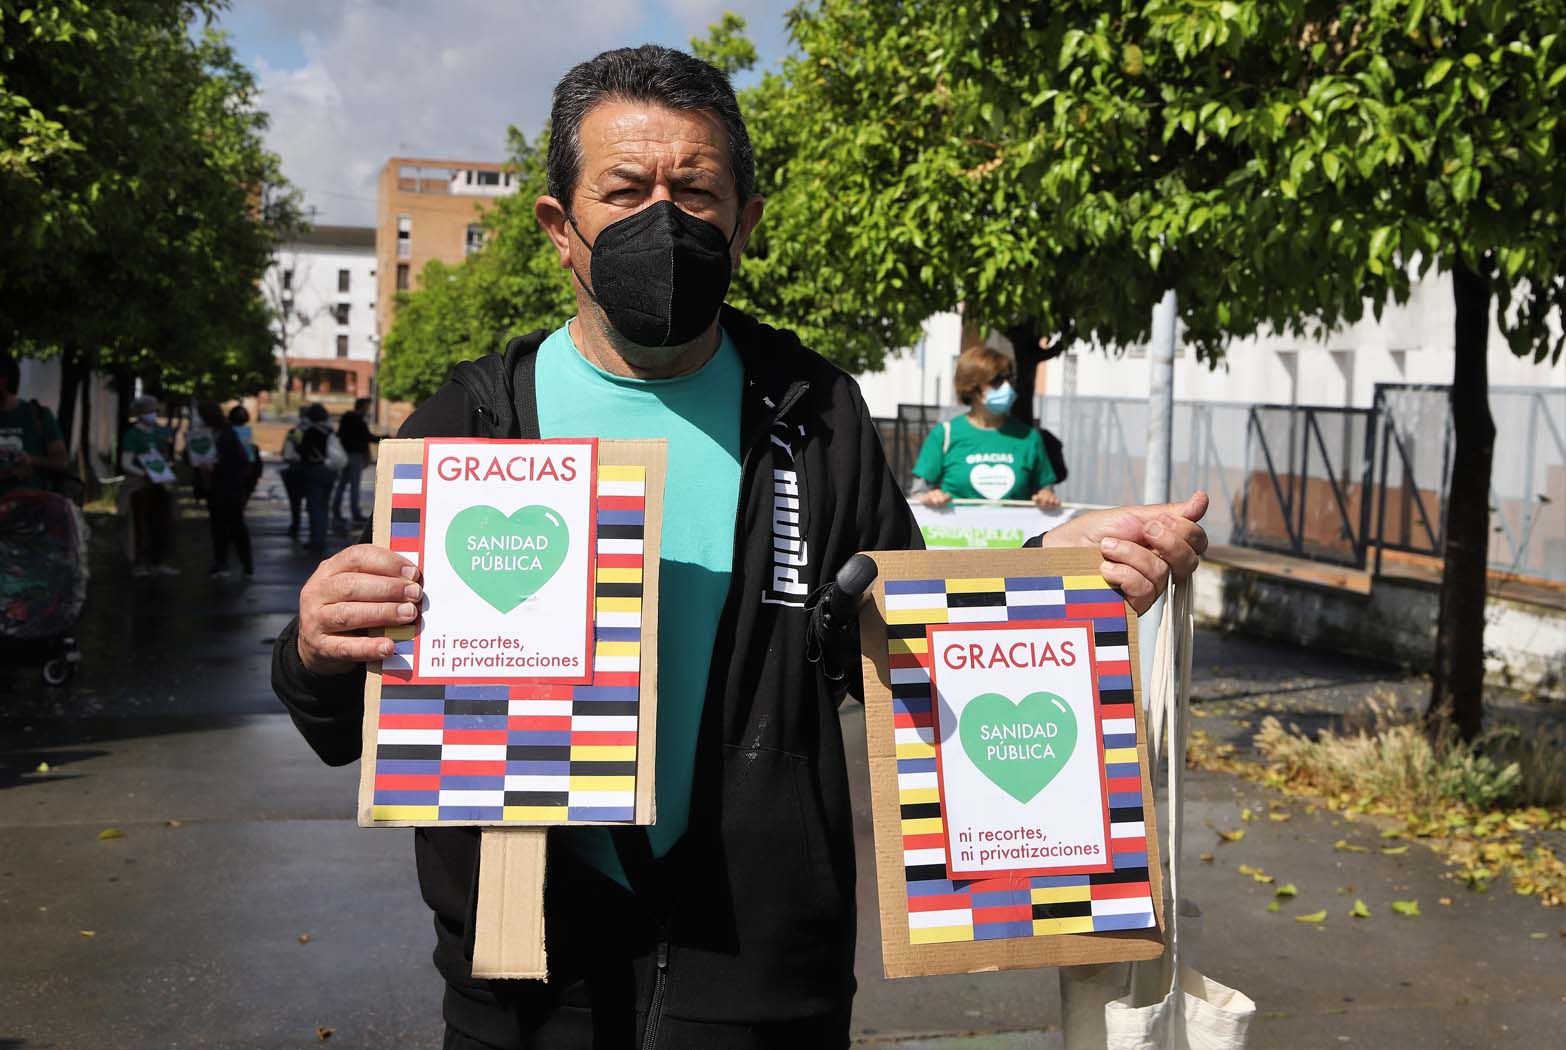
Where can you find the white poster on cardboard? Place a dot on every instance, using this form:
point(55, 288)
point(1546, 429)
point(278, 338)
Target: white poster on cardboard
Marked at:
point(508, 544)
point(1019, 752)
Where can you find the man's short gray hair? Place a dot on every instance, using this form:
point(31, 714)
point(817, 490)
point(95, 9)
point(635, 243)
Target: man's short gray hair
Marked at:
point(653, 74)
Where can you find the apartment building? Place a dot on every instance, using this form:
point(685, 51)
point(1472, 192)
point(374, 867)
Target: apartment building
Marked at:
point(429, 209)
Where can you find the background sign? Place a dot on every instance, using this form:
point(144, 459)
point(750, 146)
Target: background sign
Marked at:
point(997, 525)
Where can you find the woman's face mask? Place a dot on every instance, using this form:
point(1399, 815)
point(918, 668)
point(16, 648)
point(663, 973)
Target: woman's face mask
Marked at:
point(660, 275)
point(1000, 399)
point(149, 418)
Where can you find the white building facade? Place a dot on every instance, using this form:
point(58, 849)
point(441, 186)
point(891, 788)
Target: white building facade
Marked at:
point(321, 288)
point(1411, 343)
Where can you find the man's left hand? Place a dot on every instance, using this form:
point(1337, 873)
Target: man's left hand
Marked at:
point(1141, 546)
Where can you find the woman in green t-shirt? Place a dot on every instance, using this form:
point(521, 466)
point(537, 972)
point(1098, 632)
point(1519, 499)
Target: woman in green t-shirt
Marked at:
point(987, 453)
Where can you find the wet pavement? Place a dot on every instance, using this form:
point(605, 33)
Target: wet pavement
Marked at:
point(238, 905)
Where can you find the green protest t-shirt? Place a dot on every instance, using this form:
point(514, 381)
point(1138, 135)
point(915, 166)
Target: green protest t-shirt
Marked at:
point(975, 463)
point(699, 415)
point(25, 430)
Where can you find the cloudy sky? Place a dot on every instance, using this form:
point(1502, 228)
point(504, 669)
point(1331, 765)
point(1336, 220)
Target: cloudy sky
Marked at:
point(349, 83)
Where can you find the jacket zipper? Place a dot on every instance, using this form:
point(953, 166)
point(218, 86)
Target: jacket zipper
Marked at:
point(661, 975)
point(655, 1005)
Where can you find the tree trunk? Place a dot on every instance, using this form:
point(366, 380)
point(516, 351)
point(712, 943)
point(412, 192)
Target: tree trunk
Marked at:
point(71, 369)
point(1025, 336)
point(1457, 687)
point(85, 453)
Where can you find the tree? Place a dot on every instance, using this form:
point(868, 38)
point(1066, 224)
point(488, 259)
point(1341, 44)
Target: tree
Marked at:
point(138, 206)
point(1056, 168)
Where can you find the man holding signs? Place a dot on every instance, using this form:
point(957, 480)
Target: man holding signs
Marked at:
point(730, 922)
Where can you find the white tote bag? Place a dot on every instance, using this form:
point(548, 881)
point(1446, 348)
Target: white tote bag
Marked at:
point(1162, 1004)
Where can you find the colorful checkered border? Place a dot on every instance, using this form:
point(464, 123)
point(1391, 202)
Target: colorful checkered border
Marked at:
point(942, 910)
point(537, 752)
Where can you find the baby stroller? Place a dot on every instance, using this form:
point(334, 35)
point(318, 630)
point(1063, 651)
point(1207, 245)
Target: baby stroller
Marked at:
point(43, 580)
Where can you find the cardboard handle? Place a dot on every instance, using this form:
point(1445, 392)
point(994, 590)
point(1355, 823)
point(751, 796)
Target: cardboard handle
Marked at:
point(508, 941)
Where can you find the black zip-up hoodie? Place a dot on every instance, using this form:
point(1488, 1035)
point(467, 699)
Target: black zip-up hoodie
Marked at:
point(755, 907)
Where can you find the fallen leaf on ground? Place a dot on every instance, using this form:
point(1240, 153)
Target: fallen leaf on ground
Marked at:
point(1536, 936)
point(1279, 816)
point(1286, 890)
point(88, 933)
point(1246, 815)
point(1406, 908)
point(1345, 846)
point(1392, 833)
point(323, 1033)
point(1232, 836)
point(1394, 851)
point(110, 833)
point(173, 823)
point(1359, 911)
point(1206, 858)
point(43, 767)
point(1445, 902)
point(1315, 916)
point(1274, 906)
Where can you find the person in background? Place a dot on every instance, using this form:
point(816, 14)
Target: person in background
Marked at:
point(146, 448)
point(239, 419)
point(315, 434)
point(354, 433)
point(227, 487)
point(29, 434)
point(293, 472)
point(986, 453)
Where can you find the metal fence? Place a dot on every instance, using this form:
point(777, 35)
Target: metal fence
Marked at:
point(1332, 484)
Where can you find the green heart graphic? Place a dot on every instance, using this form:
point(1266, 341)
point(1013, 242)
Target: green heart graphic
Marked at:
point(201, 445)
point(1020, 747)
point(506, 560)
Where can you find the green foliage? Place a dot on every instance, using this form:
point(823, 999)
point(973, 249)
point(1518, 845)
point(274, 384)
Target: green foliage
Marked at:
point(1273, 161)
point(726, 45)
point(138, 206)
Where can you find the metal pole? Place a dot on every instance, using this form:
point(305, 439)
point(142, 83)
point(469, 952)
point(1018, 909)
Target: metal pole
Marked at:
point(1160, 442)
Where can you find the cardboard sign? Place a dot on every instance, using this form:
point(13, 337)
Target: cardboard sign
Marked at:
point(526, 694)
point(1002, 526)
point(1010, 792)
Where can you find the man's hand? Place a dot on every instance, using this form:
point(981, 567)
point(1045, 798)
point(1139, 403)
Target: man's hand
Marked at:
point(1045, 499)
point(934, 498)
point(360, 587)
point(1142, 546)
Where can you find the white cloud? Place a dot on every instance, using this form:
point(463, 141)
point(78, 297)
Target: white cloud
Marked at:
point(411, 78)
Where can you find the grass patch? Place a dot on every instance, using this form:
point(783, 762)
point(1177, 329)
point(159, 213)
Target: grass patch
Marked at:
point(1484, 808)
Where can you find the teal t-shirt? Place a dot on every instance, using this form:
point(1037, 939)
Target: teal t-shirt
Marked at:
point(699, 415)
point(1005, 463)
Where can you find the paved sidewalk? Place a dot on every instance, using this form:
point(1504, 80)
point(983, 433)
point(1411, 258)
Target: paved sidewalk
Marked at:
point(242, 908)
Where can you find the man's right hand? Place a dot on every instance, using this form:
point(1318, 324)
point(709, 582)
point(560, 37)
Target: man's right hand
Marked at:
point(359, 587)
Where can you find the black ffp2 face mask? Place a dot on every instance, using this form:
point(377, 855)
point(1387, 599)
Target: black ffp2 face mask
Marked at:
point(660, 275)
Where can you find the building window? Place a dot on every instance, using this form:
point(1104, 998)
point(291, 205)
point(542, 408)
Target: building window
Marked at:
point(340, 311)
point(342, 346)
point(402, 277)
point(288, 280)
point(342, 280)
point(488, 178)
point(475, 238)
point(404, 237)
